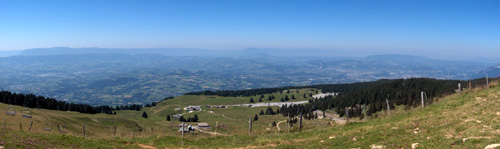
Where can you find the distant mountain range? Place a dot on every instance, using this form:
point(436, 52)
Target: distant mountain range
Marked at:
point(250, 52)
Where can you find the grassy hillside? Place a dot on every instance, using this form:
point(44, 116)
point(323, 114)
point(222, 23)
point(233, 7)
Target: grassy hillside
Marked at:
point(466, 120)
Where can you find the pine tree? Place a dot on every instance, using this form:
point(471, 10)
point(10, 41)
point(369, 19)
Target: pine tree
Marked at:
point(261, 112)
point(182, 119)
point(144, 114)
point(274, 124)
point(304, 95)
point(251, 100)
point(293, 97)
point(262, 96)
point(195, 119)
point(255, 118)
point(168, 117)
point(282, 100)
point(286, 98)
point(260, 99)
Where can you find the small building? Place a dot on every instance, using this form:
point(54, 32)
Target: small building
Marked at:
point(177, 109)
point(180, 125)
point(203, 125)
point(323, 95)
point(177, 115)
point(192, 108)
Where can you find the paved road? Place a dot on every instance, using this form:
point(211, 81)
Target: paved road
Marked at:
point(276, 104)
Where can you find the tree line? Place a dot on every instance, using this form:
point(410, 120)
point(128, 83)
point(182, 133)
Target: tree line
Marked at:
point(33, 101)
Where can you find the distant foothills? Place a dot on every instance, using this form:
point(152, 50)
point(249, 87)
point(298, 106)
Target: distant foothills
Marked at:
point(107, 76)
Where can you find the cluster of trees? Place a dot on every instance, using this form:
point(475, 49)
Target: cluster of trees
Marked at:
point(398, 92)
point(189, 119)
point(344, 88)
point(269, 111)
point(33, 101)
point(269, 98)
point(286, 98)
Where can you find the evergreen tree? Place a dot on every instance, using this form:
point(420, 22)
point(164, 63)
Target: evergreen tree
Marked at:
point(114, 112)
point(251, 100)
point(304, 95)
point(260, 99)
point(282, 100)
point(286, 98)
point(274, 124)
point(255, 118)
point(168, 117)
point(144, 114)
point(261, 112)
point(182, 119)
point(195, 119)
point(269, 111)
point(262, 96)
point(293, 96)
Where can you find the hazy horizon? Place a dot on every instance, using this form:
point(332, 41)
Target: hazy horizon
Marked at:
point(436, 29)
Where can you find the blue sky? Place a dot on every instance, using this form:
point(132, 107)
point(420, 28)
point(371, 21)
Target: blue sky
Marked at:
point(445, 28)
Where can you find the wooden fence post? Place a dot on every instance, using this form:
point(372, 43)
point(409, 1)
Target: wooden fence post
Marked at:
point(31, 124)
point(300, 122)
point(59, 128)
point(4, 121)
point(487, 82)
point(346, 114)
point(388, 107)
point(470, 85)
point(250, 125)
point(114, 131)
point(182, 130)
point(364, 110)
point(422, 96)
point(459, 88)
point(216, 127)
point(20, 126)
point(84, 134)
point(288, 122)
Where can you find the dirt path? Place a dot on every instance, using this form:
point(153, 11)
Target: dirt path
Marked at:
point(146, 146)
point(278, 125)
point(212, 133)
